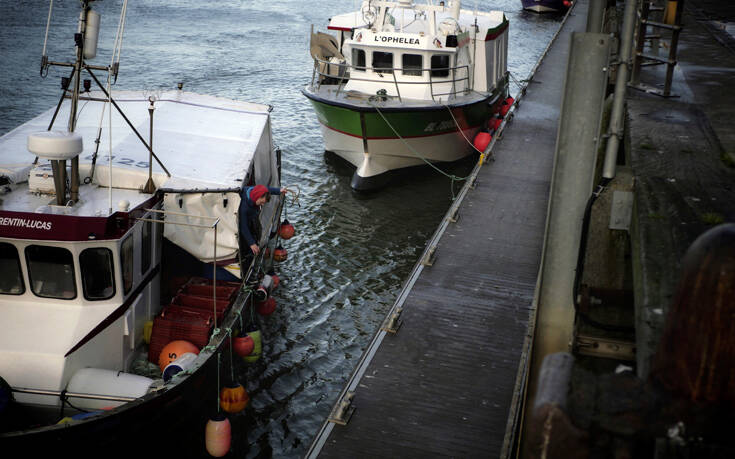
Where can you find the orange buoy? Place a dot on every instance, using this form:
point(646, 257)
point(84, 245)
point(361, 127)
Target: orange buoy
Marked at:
point(233, 398)
point(482, 140)
point(266, 308)
point(174, 350)
point(286, 230)
point(243, 345)
point(280, 254)
point(276, 280)
point(218, 435)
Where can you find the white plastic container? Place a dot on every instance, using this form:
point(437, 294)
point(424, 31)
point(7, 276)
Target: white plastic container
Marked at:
point(91, 34)
point(98, 381)
point(184, 362)
point(56, 145)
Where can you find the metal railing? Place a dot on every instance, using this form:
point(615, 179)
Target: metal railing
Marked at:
point(346, 72)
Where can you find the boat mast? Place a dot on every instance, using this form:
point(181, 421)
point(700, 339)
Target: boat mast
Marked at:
point(79, 39)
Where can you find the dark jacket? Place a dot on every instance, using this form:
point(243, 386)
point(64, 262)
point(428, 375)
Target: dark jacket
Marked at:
point(249, 214)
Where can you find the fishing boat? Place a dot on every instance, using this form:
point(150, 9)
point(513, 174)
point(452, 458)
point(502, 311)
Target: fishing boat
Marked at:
point(121, 275)
point(546, 6)
point(402, 84)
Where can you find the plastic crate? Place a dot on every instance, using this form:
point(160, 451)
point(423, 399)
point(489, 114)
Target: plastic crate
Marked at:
point(175, 323)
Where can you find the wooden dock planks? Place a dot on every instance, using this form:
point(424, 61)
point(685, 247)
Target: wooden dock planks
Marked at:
point(442, 386)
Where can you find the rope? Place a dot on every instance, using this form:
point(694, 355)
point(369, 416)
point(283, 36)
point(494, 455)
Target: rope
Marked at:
point(232, 370)
point(217, 397)
point(452, 177)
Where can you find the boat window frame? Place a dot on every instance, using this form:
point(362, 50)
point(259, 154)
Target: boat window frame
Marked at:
point(356, 60)
point(30, 269)
point(20, 270)
point(439, 72)
point(412, 71)
point(124, 267)
point(146, 247)
point(83, 277)
point(379, 69)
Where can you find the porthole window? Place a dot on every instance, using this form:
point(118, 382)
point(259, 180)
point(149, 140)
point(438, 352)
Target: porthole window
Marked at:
point(51, 272)
point(126, 259)
point(11, 277)
point(412, 64)
point(382, 62)
point(146, 247)
point(440, 65)
point(98, 275)
point(358, 59)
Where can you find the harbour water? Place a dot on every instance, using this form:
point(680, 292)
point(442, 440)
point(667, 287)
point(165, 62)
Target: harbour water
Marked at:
point(351, 253)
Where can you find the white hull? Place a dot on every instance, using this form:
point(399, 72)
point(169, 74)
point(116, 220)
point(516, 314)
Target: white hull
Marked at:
point(385, 155)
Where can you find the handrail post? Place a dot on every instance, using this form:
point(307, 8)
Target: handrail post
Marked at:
point(395, 82)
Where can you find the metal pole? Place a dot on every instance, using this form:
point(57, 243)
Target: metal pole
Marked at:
point(615, 130)
point(150, 187)
point(595, 15)
point(214, 274)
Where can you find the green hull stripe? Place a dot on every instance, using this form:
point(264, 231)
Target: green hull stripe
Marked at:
point(409, 123)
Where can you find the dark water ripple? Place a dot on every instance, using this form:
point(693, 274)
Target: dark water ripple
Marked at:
point(351, 253)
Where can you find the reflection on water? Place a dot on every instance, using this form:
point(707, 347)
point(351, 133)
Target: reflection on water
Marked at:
point(351, 252)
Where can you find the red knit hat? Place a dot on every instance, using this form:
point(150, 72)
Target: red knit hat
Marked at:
point(257, 192)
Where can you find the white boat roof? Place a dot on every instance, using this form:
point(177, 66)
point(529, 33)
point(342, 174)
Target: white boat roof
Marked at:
point(205, 142)
point(355, 20)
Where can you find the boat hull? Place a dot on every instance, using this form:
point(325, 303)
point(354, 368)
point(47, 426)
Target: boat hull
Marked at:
point(544, 6)
point(379, 140)
point(156, 423)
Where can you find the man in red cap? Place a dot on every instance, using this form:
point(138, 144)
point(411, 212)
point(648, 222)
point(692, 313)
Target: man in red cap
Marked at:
point(254, 197)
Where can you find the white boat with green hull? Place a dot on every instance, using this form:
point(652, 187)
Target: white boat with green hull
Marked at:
point(402, 84)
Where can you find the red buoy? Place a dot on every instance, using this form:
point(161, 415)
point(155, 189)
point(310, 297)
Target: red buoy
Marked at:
point(494, 123)
point(505, 107)
point(280, 254)
point(482, 140)
point(286, 230)
point(266, 308)
point(243, 345)
point(218, 435)
point(276, 280)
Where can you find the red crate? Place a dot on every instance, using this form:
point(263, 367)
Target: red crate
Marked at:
point(223, 291)
point(178, 324)
point(202, 303)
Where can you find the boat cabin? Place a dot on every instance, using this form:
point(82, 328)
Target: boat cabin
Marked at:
point(411, 51)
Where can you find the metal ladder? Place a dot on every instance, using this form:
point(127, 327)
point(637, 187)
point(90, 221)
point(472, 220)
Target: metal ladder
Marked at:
point(670, 20)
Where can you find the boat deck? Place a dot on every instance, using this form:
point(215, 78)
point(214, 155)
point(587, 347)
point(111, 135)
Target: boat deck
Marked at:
point(447, 383)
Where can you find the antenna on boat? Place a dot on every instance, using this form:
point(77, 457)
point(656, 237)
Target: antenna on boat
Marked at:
point(150, 187)
point(85, 41)
point(59, 147)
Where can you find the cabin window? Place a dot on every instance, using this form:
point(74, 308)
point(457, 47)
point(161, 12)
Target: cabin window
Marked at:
point(11, 278)
point(147, 247)
point(358, 59)
point(412, 64)
point(382, 62)
point(126, 258)
point(440, 65)
point(51, 272)
point(98, 276)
